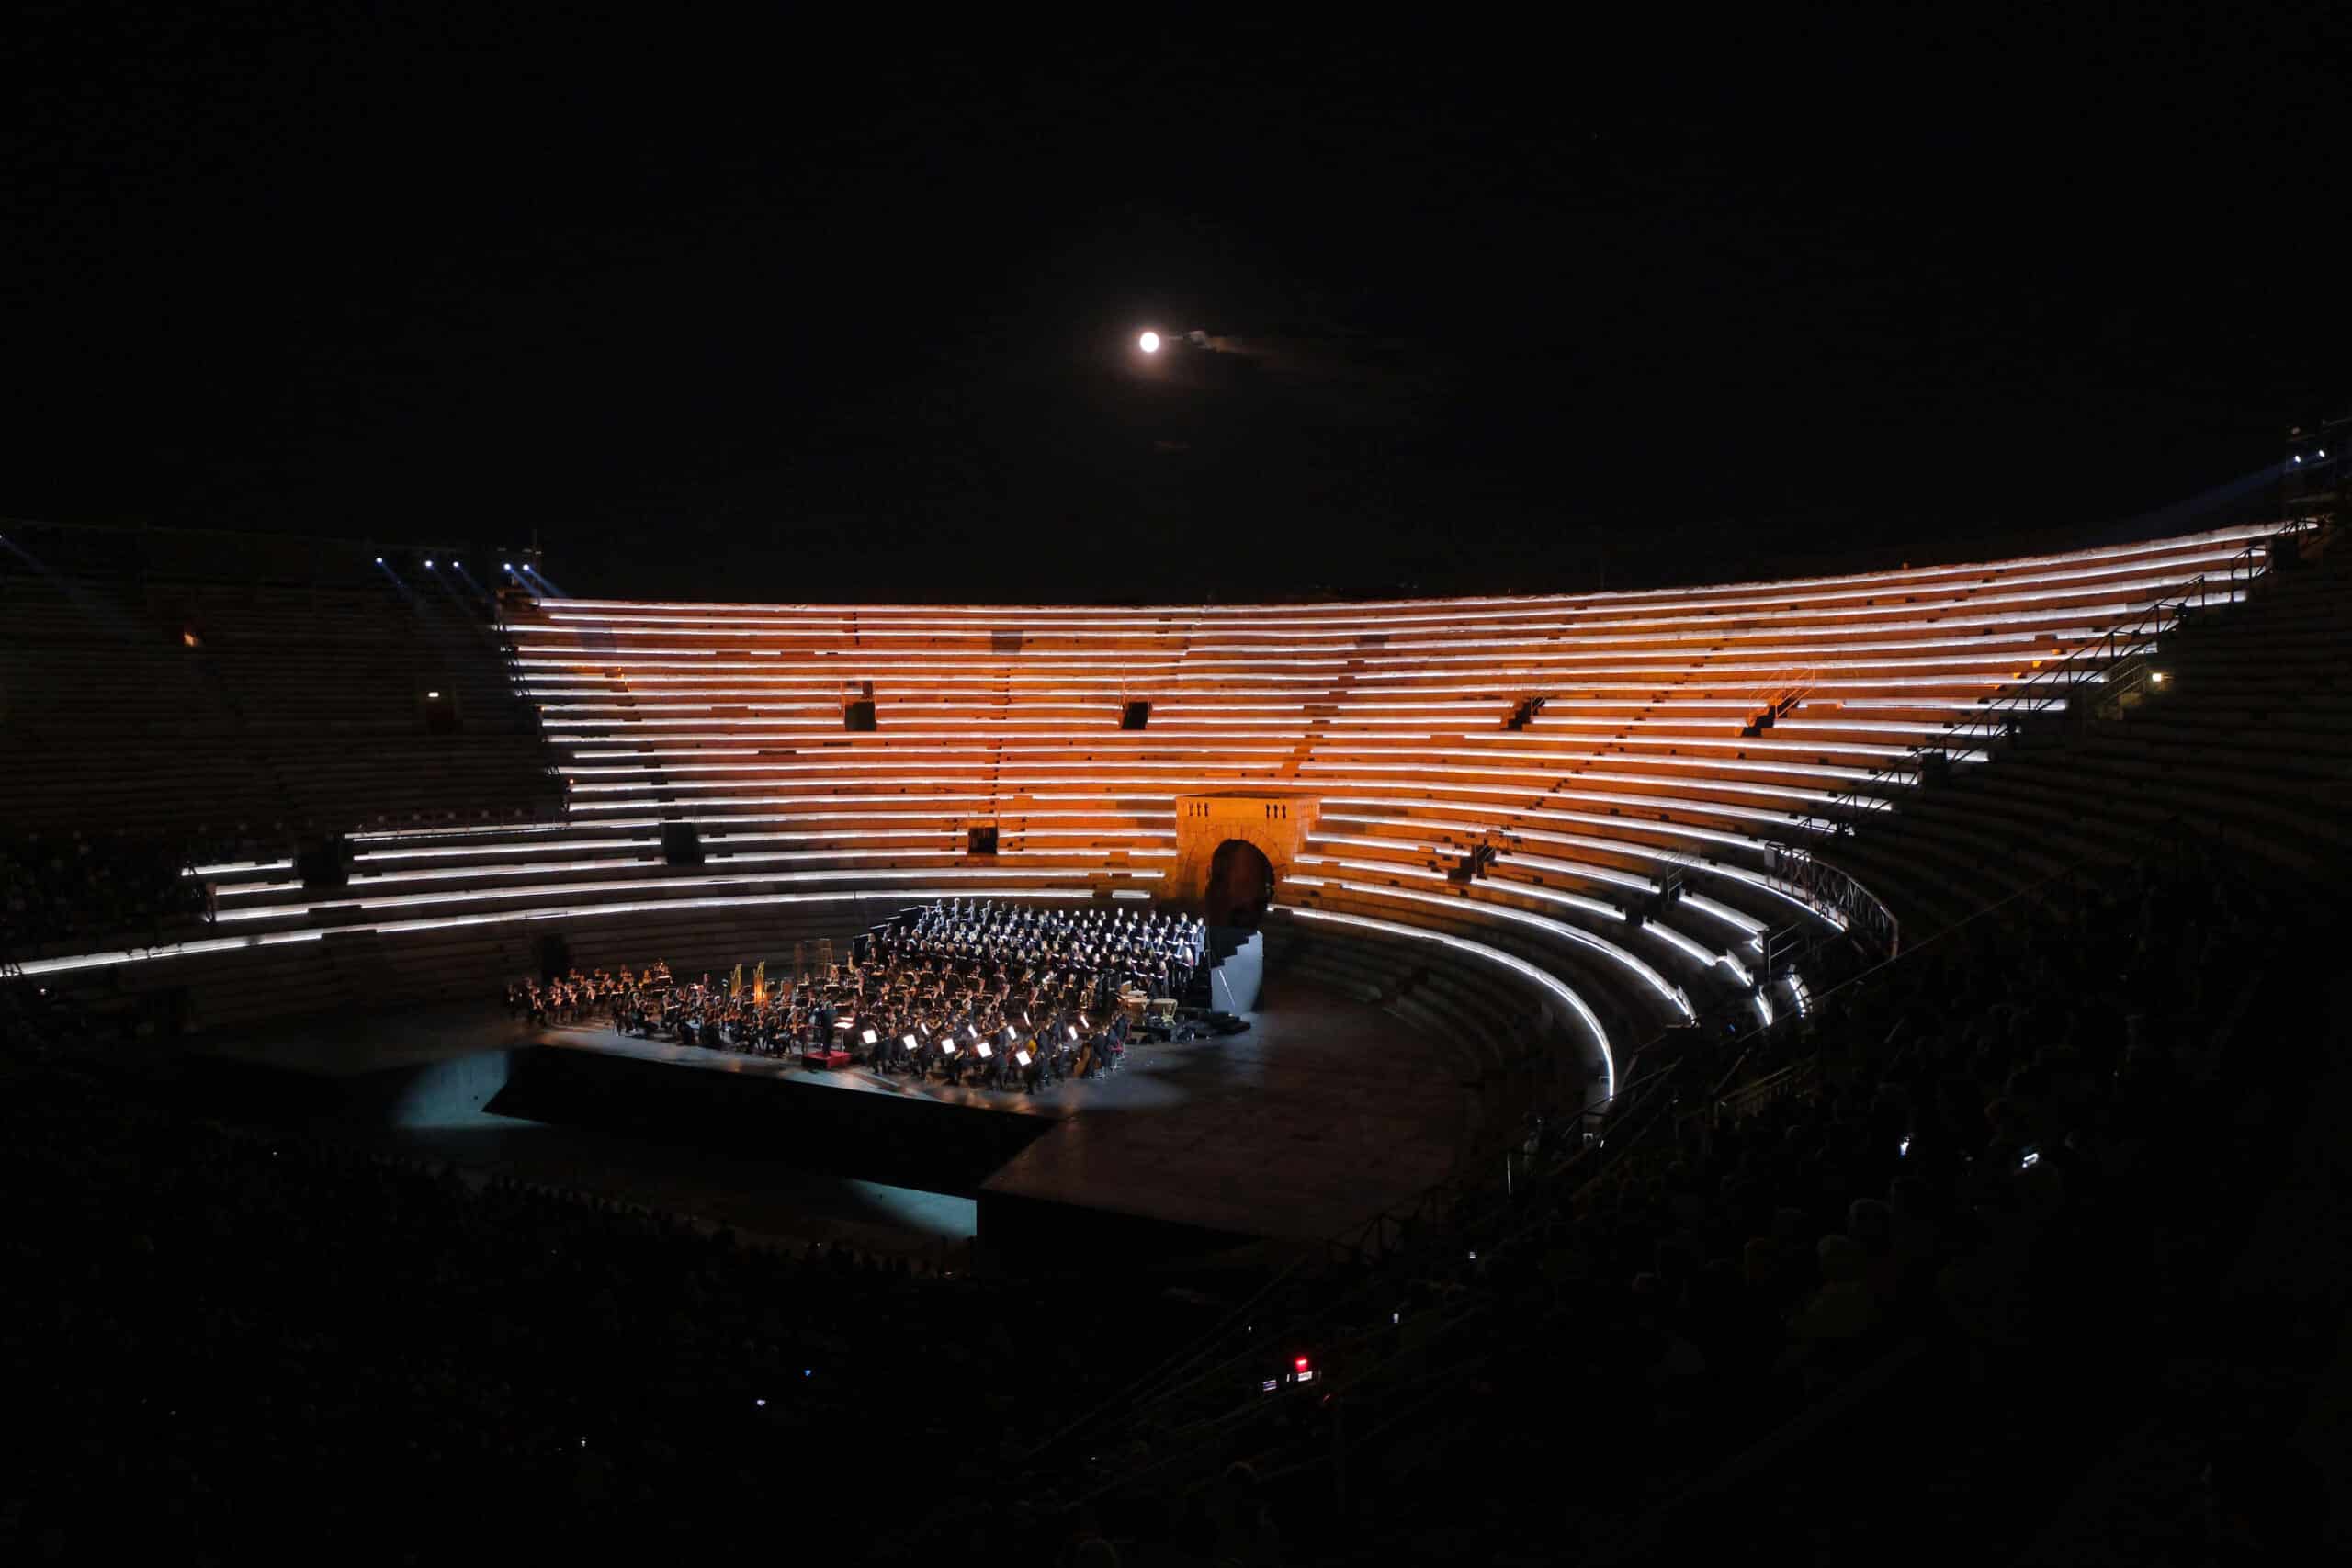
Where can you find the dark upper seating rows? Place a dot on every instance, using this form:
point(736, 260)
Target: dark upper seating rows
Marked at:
point(255, 711)
point(77, 888)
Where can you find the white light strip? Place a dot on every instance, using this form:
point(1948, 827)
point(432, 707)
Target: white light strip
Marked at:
point(507, 917)
point(37, 966)
point(641, 884)
point(1584, 870)
point(1696, 954)
point(1748, 923)
point(947, 842)
point(1656, 656)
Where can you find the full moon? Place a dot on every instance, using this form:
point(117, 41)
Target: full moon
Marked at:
point(1148, 342)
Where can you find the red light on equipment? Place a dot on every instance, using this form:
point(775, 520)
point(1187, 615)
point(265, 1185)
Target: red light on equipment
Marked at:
point(1300, 1364)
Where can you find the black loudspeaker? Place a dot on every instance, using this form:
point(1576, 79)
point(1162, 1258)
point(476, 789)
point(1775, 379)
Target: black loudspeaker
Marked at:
point(1135, 716)
point(554, 955)
point(323, 862)
point(681, 845)
point(859, 715)
point(439, 706)
point(979, 841)
point(2284, 553)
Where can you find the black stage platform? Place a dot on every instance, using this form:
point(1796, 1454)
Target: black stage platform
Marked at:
point(1325, 1111)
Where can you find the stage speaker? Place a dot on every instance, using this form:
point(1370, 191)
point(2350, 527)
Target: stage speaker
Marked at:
point(681, 845)
point(859, 715)
point(2284, 553)
point(1135, 716)
point(981, 841)
point(554, 954)
point(323, 862)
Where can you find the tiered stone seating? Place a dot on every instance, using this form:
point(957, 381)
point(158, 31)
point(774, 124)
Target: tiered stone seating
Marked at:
point(329, 686)
point(1637, 762)
point(113, 722)
point(224, 710)
point(2237, 724)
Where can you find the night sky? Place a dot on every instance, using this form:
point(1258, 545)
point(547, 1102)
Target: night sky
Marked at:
point(781, 317)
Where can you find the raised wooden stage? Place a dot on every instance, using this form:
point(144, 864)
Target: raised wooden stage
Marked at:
point(1325, 1111)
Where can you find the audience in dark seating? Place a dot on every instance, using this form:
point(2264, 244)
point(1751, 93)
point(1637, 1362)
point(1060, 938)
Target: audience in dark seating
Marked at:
point(1943, 1151)
point(93, 887)
point(238, 1326)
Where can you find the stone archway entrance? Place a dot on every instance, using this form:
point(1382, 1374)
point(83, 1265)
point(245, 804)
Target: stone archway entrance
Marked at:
point(1241, 884)
point(1274, 825)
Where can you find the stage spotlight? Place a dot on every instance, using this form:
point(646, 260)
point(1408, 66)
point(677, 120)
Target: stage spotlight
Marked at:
point(1148, 342)
point(428, 566)
point(380, 560)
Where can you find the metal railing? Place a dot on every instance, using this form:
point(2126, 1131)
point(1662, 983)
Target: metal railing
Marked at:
point(1818, 883)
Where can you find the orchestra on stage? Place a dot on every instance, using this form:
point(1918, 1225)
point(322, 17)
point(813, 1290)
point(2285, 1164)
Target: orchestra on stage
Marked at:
point(1001, 996)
